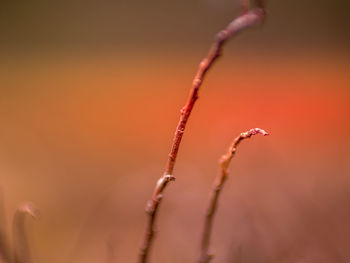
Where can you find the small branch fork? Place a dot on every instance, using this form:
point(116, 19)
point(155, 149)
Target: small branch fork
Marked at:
point(225, 160)
point(249, 18)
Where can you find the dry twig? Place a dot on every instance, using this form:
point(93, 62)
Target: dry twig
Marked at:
point(21, 245)
point(4, 242)
point(248, 19)
point(205, 256)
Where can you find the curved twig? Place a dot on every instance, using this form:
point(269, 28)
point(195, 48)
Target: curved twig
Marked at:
point(21, 246)
point(248, 19)
point(5, 255)
point(225, 160)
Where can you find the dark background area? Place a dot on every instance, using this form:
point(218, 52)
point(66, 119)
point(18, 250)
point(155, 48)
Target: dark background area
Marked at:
point(119, 26)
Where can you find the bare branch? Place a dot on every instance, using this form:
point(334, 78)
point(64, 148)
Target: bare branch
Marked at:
point(205, 256)
point(249, 19)
point(21, 246)
point(4, 241)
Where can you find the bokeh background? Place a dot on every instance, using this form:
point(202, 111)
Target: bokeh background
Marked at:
point(90, 93)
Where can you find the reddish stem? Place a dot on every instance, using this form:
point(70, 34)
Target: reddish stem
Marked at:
point(249, 19)
point(225, 160)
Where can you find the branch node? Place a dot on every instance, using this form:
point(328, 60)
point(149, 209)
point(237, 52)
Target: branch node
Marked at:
point(181, 130)
point(197, 82)
point(222, 35)
point(158, 198)
point(149, 207)
point(169, 177)
point(204, 63)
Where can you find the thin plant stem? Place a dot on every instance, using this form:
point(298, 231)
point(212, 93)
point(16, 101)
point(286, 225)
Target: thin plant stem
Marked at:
point(251, 18)
point(224, 162)
point(21, 245)
point(5, 256)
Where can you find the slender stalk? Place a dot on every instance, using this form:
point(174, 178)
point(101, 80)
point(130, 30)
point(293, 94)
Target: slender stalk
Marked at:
point(5, 256)
point(249, 19)
point(21, 245)
point(225, 160)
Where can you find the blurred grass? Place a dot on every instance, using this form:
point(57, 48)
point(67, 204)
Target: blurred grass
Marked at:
point(85, 140)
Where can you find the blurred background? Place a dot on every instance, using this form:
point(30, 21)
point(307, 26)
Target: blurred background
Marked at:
point(90, 93)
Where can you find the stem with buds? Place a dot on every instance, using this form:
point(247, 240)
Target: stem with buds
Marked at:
point(248, 19)
point(225, 160)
